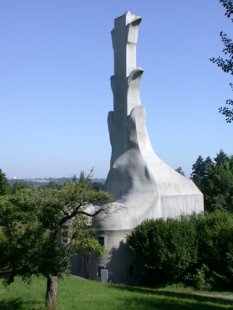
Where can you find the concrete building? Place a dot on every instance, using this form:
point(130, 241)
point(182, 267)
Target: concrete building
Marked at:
point(143, 185)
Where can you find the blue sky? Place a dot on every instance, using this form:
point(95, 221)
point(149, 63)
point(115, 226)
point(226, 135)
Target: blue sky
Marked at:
point(56, 60)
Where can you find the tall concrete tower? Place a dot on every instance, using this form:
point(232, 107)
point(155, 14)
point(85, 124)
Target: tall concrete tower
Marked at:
point(143, 185)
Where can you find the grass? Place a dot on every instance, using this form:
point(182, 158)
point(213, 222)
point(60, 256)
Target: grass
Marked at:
point(82, 294)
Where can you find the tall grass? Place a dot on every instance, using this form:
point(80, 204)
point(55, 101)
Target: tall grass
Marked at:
point(82, 294)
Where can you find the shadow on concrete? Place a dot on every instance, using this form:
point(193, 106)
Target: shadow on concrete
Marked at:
point(123, 267)
point(117, 266)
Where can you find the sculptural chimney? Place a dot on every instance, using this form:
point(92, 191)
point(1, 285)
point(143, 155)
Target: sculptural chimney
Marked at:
point(126, 73)
point(144, 186)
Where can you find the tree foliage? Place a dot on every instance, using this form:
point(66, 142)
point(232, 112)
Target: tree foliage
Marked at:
point(200, 171)
point(4, 185)
point(165, 249)
point(180, 170)
point(32, 224)
point(215, 180)
point(215, 249)
point(226, 64)
point(195, 250)
point(18, 185)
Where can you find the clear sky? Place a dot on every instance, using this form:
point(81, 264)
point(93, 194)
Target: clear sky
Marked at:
point(56, 59)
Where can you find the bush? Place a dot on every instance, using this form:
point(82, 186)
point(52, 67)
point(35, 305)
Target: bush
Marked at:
point(215, 248)
point(215, 180)
point(195, 250)
point(166, 249)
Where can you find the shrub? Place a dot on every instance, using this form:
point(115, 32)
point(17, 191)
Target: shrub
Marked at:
point(215, 248)
point(195, 250)
point(166, 249)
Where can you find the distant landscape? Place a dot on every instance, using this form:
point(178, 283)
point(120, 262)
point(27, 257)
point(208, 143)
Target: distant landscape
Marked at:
point(46, 181)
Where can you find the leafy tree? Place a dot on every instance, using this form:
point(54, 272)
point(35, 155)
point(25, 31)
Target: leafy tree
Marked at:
point(215, 180)
point(52, 184)
point(18, 185)
point(195, 250)
point(4, 185)
point(200, 170)
point(215, 249)
point(166, 249)
point(221, 157)
point(22, 236)
point(98, 186)
point(180, 170)
point(32, 222)
point(219, 186)
point(226, 64)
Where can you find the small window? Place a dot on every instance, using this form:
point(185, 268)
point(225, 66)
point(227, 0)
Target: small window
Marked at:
point(101, 240)
point(131, 270)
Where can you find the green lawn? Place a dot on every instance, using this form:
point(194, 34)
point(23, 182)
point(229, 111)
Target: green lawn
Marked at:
point(82, 294)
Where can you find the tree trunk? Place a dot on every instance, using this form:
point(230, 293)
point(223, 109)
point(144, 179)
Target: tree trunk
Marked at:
point(51, 292)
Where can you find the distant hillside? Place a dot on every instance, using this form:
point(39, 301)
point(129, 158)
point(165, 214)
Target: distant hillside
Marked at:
point(45, 181)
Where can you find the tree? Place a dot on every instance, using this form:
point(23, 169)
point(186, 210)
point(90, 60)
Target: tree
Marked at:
point(215, 180)
point(195, 250)
point(180, 170)
point(200, 170)
point(165, 249)
point(98, 186)
point(221, 157)
point(18, 185)
point(219, 186)
point(226, 64)
point(215, 249)
point(52, 184)
point(4, 185)
point(32, 222)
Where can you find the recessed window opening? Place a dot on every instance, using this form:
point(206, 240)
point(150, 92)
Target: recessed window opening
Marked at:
point(101, 240)
point(131, 270)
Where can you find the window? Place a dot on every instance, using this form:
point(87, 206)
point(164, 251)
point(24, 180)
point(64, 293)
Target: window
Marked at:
point(101, 240)
point(131, 270)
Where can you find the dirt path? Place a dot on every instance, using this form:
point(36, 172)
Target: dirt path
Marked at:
point(216, 296)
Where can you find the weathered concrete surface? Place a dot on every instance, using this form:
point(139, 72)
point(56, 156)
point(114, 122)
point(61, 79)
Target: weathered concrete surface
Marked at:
point(137, 178)
point(143, 185)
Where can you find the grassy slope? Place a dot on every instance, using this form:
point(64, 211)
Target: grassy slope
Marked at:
point(81, 294)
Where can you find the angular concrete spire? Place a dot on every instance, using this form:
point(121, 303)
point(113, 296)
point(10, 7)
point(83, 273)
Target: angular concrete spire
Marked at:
point(125, 81)
point(124, 38)
point(137, 177)
point(143, 185)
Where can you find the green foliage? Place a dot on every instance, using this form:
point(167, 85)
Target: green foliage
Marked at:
point(228, 5)
point(165, 248)
point(20, 246)
point(200, 170)
point(215, 246)
point(98, 186)
point(52, 184)
point(198, 278)
point(4, 185)
point(17, 186)
point(226, 64)
point(215, 180)
point(31, 225)
point(195, 250)
point(180, 170)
